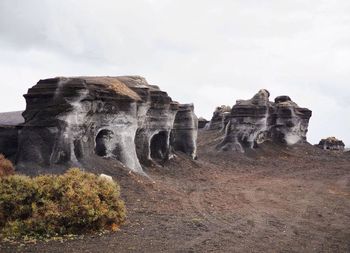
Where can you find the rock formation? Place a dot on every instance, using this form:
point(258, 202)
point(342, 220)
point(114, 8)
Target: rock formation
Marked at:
point(331, 143)
point(219, 119)
point(252, 122)
point(289, 122)
point(202, 122)
point(70, 119)
point(184, 134)
point(9, 127)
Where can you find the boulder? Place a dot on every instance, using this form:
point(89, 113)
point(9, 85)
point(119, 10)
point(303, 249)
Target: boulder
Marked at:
point(106, 177)
point(331, 143)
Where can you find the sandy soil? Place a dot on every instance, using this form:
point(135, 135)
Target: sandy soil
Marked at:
point(273, 199)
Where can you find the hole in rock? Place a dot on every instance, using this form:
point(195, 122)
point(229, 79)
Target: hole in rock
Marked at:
point(103, 142)
point(159, 146)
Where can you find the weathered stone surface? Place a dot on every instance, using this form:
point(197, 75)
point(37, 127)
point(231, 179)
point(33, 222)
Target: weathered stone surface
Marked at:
point(289, 122)
point(70, 119)
point(9, 127)
point(184, 133)
point(331, 143)
point(252, 122)
point(153, 134)
point(202, 122)
point(219, 119)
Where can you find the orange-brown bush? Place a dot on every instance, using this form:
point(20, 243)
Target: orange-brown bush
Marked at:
point(6, 166)
point(52, 205)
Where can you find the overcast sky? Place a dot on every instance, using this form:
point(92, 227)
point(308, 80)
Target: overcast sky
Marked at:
point(207, 52)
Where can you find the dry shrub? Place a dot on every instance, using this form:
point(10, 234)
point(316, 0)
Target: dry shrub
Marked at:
point(52, 205)
point(6, 166)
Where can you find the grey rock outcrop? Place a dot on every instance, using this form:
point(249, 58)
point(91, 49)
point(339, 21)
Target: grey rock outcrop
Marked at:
point(184, 133)
point(9, 127)
point(252, 122)
point(331, 143)
point(289, 121)
point(220, 117)
point(68, 120)
point(202, 122)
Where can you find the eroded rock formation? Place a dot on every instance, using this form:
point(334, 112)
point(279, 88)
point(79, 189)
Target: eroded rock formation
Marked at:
point(220, 117)
point(252, 122)
point(202, 122)
point(9, 127)
point(331, 143)
point(70, 119)
point(289, 122)
point(184, 134)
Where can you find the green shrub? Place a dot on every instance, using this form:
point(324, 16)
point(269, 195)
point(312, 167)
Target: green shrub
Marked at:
point(51, 205)
point(6, 166)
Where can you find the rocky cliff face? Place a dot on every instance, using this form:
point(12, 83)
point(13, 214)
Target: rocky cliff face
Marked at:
point(70, 119)
point(252, 122)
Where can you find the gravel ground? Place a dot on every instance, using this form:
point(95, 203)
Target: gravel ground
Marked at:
point(273, 199)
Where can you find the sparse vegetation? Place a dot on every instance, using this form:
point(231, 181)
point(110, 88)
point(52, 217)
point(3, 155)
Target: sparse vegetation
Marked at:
point(55, 205)
point(6, 166)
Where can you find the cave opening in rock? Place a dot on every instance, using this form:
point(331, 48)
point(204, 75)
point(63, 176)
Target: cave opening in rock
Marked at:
point(159, 146)
point(103, 142)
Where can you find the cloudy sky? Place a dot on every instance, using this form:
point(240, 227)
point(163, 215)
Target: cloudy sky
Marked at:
point(202, 51)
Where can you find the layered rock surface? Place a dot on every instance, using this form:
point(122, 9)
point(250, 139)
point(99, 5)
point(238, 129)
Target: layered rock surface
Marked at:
point(202, 122)
point(220, 117)
point(252, 122)
point(70, 119)
point(331, 143)
point(184, 134)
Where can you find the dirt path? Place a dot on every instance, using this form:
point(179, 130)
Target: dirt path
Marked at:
point(290, 200)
